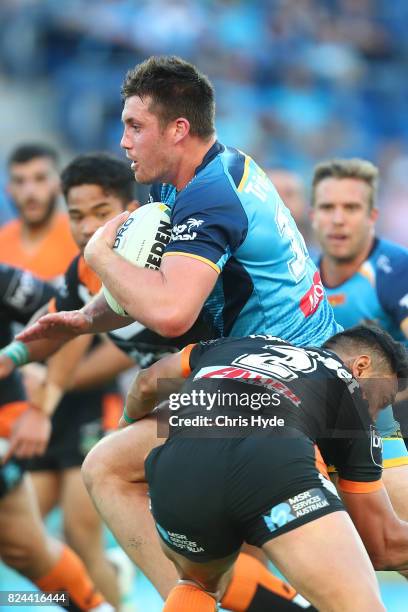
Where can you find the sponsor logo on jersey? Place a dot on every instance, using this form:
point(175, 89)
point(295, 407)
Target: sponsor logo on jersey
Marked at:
point(311, 300)
point(179, 540)
point(21, 292)
point(185, 231)
point(296, 507)
point(376, 446)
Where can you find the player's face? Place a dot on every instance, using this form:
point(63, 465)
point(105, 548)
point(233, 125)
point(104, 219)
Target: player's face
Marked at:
point(89, 207)
point(146, 142)
point(34, 186)
point(378, 384)
point(379, 390)
point(342, 219)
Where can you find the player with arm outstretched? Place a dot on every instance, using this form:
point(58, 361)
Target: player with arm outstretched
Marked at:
point(24, 433)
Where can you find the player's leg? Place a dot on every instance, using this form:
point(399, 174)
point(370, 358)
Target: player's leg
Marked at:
point(84, 533)
point(47, 484)
point(201, 585)
point(328, 563)
point(114, 475)
point(49, 564)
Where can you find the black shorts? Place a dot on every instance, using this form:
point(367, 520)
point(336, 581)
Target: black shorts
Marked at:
point(208, 496)
point(80, 421)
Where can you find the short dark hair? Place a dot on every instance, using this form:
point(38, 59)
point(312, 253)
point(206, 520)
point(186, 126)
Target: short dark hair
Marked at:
point(177, 89)
point(111, 174)
point(26, 152)
point(380, 342)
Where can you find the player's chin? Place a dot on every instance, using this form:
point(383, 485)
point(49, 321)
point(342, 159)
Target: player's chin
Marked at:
point(143, 177)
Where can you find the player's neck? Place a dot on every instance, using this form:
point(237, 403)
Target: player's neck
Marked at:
point(335, 272)
point(33, 234)
point(193, 156)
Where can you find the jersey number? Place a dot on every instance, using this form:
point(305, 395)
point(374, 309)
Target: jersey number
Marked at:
point(296, 265)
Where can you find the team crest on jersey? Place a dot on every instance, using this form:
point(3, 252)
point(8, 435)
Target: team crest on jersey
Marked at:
point(185, 231)
point(383, 262)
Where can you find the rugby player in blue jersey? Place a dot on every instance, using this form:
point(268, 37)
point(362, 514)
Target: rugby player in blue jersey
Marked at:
point(235, 254)
point(366, 279)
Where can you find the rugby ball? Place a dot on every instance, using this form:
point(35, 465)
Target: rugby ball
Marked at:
point(142, 239)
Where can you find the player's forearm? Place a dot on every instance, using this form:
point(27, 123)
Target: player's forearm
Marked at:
point(101, 317)
point(100, 366)
point(142, 396)
point(143, 293)
point(60, 371)
point(62, 365)
point(22, 353)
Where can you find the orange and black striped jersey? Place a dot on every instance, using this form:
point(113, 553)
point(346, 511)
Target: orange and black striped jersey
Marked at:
point(49, 258)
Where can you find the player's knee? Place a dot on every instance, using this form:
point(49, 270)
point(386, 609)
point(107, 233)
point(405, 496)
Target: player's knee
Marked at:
point(23, 555)
point(96, 466)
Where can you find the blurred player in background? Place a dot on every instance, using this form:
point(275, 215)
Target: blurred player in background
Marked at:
point(292, 190)
point(40, 240)
point(366, 279)
point(24, 432)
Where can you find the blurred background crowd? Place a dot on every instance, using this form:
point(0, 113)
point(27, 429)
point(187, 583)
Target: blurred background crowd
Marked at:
point(297, 81)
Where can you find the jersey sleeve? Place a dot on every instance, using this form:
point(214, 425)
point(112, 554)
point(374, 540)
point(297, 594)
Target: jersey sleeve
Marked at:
point(209, 223)
point(392, 286)
point(68, 298)
point(355, 448)
point(192, 353)
point(22, 294)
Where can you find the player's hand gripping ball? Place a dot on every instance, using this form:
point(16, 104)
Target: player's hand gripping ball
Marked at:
point(142, 239)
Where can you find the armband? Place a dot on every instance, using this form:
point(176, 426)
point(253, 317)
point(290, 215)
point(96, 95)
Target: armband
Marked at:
point(17, 352)
point(127, 418)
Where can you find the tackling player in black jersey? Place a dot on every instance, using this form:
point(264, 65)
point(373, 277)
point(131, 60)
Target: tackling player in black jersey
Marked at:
point(213, 487)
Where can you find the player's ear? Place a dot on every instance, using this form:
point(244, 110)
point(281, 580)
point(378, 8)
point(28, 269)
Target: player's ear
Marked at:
point(374, 215)
point(181, 128)
point(133, 205)
point(361, 366)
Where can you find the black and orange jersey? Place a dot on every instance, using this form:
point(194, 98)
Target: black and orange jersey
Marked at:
point(309, 390)
point(137, 341)
point(21, 294)
point(80, 285)
point(49, 258)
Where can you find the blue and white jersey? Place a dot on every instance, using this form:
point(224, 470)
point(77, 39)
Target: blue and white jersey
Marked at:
point(231, 217)
point(377, 292)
